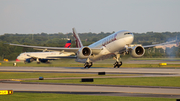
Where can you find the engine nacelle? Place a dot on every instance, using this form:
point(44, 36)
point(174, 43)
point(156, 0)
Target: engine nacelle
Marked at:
point(137, 51)
point(84, 52)
point(44, 60)
point(29, 60)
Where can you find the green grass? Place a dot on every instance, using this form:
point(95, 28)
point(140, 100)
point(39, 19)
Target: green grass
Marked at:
point(104, 63)
point(72, 97)
point(138, 81)
point(155, 58)
point(20, 75)
point(177, 66)
point(96, 64)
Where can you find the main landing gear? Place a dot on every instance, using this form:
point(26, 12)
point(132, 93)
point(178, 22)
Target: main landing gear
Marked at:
point(117, 63)
point(88, 64)
point(38, 62)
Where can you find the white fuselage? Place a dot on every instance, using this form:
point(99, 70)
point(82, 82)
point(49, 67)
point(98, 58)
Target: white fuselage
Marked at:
point(42, 55)
point(110, 45)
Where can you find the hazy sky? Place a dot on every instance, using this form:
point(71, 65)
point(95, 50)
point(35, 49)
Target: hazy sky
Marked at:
point(53, 16)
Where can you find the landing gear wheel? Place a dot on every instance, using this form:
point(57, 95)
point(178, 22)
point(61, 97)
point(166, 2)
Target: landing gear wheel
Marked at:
point(47, 62)
point(88, 64)
point(117, 64)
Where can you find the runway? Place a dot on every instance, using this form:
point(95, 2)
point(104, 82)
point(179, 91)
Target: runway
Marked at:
point(93, 90)
point(91, 70)
point(104, 90)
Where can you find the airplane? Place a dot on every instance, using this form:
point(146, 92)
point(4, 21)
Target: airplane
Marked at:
point(113, 45)
point(44, 56)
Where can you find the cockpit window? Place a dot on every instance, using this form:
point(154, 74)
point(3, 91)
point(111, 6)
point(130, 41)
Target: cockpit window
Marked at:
point(127, 33)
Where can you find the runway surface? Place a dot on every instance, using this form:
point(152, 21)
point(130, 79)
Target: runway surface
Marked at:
point(140, 91)
point(91, 70)
point(90, 90)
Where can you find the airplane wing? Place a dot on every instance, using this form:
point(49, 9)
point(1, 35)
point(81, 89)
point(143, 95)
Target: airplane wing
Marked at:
point(51, 57)
point(161, 44)
point(140, 49)
point(48, 48)
point(69, 57)
point(61, 49)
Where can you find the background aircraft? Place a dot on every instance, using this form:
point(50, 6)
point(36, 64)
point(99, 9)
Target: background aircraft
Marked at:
point(113, 45)
point(43, 57)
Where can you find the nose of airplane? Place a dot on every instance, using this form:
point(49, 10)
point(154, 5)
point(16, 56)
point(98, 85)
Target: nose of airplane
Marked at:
point(130, 39)
point(17, 60)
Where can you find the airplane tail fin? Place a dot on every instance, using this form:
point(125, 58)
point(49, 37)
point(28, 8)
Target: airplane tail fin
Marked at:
point(177, 42)
point(77, 39)
point(68, 44)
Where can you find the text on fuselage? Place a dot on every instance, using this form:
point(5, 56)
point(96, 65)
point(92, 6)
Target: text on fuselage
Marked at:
point(109, 40)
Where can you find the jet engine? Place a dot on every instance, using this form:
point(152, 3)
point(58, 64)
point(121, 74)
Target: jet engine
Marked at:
point(84, 52)
point(137, 51)
point(44, 60)
point(29, 60)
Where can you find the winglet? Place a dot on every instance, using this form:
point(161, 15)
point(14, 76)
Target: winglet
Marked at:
point(77, 39)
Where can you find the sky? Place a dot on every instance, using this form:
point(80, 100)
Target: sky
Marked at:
point(54, 16)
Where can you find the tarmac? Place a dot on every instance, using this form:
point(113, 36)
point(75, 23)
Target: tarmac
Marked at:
point(89, 89)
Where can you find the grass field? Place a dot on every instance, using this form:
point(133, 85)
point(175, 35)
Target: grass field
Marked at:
point(105, 63)
point(20, 75)
point(140, 81)
point(72, 97)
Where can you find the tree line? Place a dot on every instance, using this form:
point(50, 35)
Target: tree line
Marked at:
point(60, 39)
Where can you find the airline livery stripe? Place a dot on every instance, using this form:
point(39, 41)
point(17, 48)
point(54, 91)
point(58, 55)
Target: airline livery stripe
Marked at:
point(77, 41)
